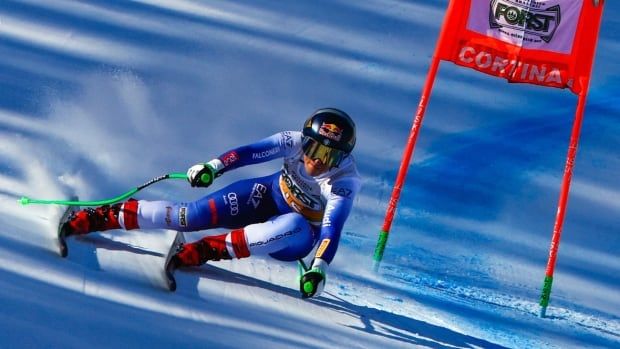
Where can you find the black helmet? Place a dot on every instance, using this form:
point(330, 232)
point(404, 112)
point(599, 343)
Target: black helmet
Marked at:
point(329, 134)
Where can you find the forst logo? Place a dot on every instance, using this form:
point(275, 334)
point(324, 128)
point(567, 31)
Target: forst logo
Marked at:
point(514, 15)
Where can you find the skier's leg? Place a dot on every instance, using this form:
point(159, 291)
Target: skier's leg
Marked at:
point(234, 206)
point(287, 237)
point(241, 203)
point(142, 214)
point(132, 214)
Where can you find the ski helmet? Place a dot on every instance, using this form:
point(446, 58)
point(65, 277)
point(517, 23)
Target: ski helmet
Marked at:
point(329, 135)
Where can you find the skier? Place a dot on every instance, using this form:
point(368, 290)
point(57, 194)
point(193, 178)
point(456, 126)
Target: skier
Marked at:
point(283, 215)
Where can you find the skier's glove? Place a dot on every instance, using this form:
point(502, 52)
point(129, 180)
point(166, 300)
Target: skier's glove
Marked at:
point(312, 281)
point(202, 175)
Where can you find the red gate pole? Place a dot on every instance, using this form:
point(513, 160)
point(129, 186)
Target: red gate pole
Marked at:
point(563, 201)
point(406, 160)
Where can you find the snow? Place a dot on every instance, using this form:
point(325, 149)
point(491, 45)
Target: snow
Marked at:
point(98, 97)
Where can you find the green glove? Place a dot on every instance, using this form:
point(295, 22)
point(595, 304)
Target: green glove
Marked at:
point(312, 281)
point(201, 175)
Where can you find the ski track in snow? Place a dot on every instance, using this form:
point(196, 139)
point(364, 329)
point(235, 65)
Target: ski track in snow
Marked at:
point(96, 97)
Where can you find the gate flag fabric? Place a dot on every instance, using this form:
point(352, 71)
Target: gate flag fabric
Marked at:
point(542, 42)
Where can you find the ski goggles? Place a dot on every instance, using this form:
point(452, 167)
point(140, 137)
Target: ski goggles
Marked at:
point(328, 156)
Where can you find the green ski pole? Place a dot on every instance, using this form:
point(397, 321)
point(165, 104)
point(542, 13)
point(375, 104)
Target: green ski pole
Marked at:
point(26, 201)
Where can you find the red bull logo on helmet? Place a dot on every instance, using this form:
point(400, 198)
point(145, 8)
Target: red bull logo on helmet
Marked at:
point(331, 131)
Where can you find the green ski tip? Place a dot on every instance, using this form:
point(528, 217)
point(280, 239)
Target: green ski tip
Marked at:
point(24, 200)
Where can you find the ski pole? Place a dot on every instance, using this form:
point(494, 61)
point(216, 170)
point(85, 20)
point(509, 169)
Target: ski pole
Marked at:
point(302, 268)
point(26, 201)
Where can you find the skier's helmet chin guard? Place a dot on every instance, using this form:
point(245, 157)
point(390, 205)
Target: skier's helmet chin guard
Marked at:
point(328, 135)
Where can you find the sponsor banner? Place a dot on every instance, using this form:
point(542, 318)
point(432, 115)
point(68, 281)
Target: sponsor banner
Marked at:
point(548, 25)
point(498, 63)
point(543, 42)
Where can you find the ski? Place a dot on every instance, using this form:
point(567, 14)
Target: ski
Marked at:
point(61, 234)
point(169, 266)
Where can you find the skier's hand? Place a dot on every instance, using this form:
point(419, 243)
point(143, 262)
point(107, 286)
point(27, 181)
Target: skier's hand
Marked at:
point(201, 175)
point(312, 282)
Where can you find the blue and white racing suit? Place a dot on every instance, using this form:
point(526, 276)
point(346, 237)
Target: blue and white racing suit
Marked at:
point(283, 215)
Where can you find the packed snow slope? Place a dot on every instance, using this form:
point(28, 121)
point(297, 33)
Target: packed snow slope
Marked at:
point(97, 97)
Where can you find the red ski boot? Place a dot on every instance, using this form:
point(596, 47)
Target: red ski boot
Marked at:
point(92, 219)
point(89, 220)
point(210, 248)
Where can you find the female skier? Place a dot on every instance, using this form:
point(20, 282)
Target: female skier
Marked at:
point(283, 215)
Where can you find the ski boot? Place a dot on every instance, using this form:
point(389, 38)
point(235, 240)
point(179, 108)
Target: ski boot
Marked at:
point(87, 221)
point(210, 248)
point(92, 219)
point(182, 254)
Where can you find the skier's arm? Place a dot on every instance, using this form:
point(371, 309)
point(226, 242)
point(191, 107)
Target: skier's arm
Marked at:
point(276, 146)
point(337, 211)
point(339, 205)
